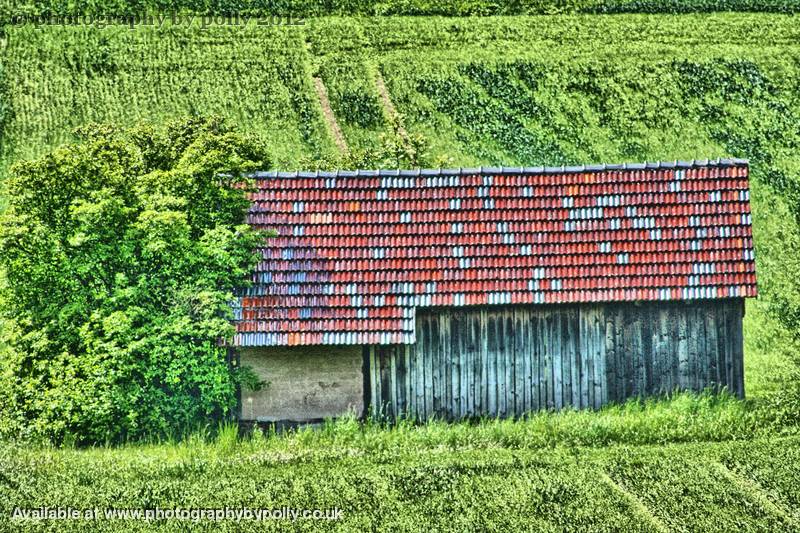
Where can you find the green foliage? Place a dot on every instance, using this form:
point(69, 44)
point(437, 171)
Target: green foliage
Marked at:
point(750, 485)
point(684, 417)
point(387, 7)
point(120, 254)
point(256, 77)
point(396, 148)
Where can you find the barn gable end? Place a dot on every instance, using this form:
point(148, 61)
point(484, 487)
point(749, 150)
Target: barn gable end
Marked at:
point(496, 291)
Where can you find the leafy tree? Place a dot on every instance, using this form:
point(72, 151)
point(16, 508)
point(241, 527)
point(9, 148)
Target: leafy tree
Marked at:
point(120, 254)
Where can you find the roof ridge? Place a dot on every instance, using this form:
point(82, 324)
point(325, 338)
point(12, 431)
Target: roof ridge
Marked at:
point(470, 171)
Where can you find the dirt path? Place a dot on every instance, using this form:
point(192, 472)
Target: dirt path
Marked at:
point(330, 118)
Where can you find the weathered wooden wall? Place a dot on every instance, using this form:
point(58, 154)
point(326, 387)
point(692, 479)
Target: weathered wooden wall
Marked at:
point(510, 360)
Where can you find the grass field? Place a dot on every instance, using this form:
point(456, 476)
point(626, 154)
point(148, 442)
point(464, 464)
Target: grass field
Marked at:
point(751, 485)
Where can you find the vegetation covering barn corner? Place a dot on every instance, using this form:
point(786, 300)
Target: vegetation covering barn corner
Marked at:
point(496, 291)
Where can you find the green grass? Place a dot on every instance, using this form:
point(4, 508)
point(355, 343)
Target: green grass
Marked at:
point(701, 486)
point(684, 417)
point(387, 7)
point(61, 78)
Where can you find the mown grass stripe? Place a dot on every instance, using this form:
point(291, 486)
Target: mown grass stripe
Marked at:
point(754, 491)
point(636, 504)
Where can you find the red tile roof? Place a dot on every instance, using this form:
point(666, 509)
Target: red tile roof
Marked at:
point(359, 251)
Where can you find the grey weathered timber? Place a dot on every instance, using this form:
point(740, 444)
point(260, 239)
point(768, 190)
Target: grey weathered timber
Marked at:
point(507, 361)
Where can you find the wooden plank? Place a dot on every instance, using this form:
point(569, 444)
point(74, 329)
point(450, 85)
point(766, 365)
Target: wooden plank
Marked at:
point(473, 342)
point(703, 359)
point(730, 349)
point(457, 358)
point(508, 347)
point(574, 357)
point(384, 360)
point(589, 354)
point(536, 320)
point(630, 361)
point(492, 385)
point(419, 368)
point(373, 381)
point(682, 342)
point(664, 344)
point(602, 375)
point(399, 379)
point(433, 388)
point(722, 347)
point(738, 345)
point(445, 362)
point(711, 346)
point(527, 359)
point(547, 373)
point(484, 381)
point(645, 320)
point(445, 372)
point(455, 355)
point(382, 383)
point(519, 344)
point(433, 328)
point(700, 362)
point(408, 394)
point(636, 346)
point(672, 346)
point(657, 350)
point(386, 395)
point(623, 380)
point(609, 313)
point(393, 381)
point(585, 355)
point(652, 318)
point(558, 354)
point(502, 384)
point(598, 357)
point(488, 383)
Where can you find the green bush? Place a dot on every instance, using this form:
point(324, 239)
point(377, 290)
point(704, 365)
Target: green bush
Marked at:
point(120, 254)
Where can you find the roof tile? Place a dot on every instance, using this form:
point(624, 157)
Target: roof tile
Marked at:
point(358, 251)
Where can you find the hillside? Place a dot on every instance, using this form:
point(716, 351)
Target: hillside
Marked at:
point(482, 91)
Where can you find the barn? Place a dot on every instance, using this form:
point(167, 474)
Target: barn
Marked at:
point(456, 293)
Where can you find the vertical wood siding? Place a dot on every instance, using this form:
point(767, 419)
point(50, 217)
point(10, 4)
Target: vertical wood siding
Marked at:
point(510, 360)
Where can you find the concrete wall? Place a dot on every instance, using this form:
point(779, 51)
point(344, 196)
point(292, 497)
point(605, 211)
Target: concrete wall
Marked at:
point(306, 382)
